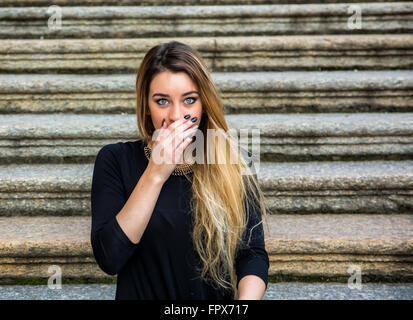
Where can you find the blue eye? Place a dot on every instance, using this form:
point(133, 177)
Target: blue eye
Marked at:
point(192, 99)
point(157, 101)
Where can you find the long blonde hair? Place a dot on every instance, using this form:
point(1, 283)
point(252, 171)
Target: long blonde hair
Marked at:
point(221, 193)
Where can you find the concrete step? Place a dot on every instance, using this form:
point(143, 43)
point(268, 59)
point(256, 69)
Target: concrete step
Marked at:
point(275, 291)
point(337, 291)
point(67, 292)
point(35, 3)
point(296, 187)
point(221, 54)
point(30, 138)
point(319, 245)
point(338, 187)
point(223, 20)
point(241, 92)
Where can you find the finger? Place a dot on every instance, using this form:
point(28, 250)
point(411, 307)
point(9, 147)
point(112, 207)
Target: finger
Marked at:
point(158, 134)
point(180, 152)
point(173, 135)
point(162, 132)
point(178, 129)
point(168, 146)
point(185, 126)
point(172, 127)
point(163, 139)
point(179, 137)
point(173, 145)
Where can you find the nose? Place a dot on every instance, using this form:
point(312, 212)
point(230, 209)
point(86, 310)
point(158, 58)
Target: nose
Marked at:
point(175, 113)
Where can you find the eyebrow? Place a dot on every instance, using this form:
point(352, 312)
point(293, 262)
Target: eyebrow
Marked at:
point(167, 95)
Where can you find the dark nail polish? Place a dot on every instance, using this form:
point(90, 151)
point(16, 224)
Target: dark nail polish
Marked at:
point(194, 119)
point(163, 120)
point(187, 116)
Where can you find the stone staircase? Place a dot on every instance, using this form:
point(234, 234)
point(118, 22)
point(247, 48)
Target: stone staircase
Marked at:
point(334, 107)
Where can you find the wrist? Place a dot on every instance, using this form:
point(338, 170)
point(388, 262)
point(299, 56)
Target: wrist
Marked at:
point(152, 177)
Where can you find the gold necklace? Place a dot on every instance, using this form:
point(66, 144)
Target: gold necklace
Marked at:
point(179, 170)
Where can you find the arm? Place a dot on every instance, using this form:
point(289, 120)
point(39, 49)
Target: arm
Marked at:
point(136, 213)
point(252, 267)
point(251, 287)
point(252, 261)
point(118, 223)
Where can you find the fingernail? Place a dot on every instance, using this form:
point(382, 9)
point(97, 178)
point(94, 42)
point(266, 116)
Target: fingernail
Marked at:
point(187, 116)
point(195, 127)
point(194, 119)
point(163, 120)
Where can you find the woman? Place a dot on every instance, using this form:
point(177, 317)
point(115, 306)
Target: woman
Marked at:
point(183, 228)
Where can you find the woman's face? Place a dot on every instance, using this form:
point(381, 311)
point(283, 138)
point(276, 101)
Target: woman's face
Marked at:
point(171, 97)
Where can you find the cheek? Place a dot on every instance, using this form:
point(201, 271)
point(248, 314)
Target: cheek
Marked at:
point(199, 108)
point(199, 114)
point(158, 122)
point(154, 113)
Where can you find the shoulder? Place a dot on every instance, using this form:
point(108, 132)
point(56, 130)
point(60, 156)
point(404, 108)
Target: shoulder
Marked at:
point(109, 152)
point(119, 152)
point(111, 148)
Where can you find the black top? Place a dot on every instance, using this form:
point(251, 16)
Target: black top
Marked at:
point(163, 264)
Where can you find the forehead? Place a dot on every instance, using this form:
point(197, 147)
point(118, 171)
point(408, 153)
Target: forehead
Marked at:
point(171, 83)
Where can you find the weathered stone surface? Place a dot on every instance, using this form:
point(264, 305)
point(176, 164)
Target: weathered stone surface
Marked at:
point(282, 137)
point(22, 3)
point(338, 187)
point(34, 190)
point(275, 291)
point(221, 54)
point(399, 268)
point(319, 234)
point(45, 202)
point(329, 136)
point(294, 187)
point(153, 21)
point(324, 245)
point(69, 270)
point(327, 245)
point(241, 92)
point(29, 247)
point(41, 237)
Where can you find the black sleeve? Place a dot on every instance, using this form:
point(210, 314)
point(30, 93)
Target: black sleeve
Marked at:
point(111, 246)
point(252, 258)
